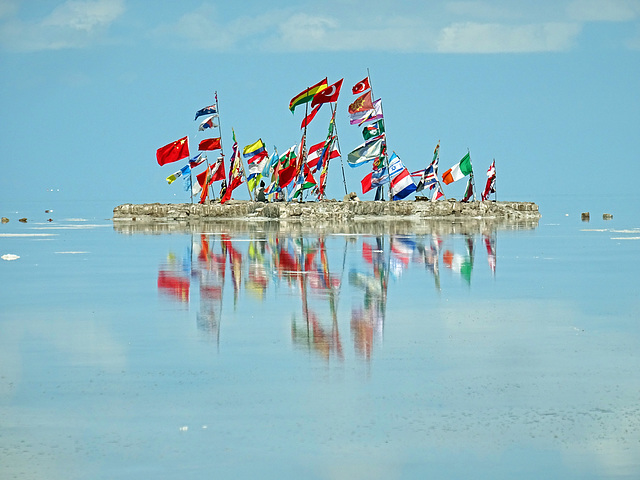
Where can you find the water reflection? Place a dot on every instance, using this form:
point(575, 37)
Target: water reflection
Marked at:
point(305, 272)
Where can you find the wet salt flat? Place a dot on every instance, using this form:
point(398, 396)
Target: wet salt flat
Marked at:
point(257, 351)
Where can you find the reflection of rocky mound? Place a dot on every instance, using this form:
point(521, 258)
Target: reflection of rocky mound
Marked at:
point(327, 211)
point(372, 218)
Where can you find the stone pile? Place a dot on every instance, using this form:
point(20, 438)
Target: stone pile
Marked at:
point(326, 210)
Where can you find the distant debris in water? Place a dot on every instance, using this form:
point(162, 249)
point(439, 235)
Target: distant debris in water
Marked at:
point(23, 220)
point(607, 216)
point(585, 216)
point(5, 220)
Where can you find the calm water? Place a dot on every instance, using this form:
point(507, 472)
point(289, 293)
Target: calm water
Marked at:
point(254, 351)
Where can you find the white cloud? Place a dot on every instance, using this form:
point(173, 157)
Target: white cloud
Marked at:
point(498, 38)
point(604, 10)
point(73, 24)
point(85, 15)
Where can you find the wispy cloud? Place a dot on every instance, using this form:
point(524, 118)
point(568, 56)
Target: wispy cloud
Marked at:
point(604, 10)
point(73, 24)
point(499, 38)
point(459, 26)
point(440, 26)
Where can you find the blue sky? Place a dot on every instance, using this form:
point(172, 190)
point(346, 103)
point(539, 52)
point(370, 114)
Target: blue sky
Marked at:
point(90, 89)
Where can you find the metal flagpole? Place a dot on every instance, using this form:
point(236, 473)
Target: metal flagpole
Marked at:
point(344, 179)
point(386, 157)
point(495, 181)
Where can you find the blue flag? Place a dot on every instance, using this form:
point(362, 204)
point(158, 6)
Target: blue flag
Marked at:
point(210, 110)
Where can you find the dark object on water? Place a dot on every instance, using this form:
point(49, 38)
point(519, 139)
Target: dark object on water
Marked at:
point(607, 216)
point(585, 216)
point(5, 220)
point(23, 220)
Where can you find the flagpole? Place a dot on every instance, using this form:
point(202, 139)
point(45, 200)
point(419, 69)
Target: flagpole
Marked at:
point(495, 181)
point(344, 179)
point(219, 135)
point(302, 147)
point(473, 182)
point(191, 185)
point(386, 157)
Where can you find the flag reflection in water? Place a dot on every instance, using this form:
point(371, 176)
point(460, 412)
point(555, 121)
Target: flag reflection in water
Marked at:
point(304, 268)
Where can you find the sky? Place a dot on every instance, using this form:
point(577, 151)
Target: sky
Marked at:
point(90, 89)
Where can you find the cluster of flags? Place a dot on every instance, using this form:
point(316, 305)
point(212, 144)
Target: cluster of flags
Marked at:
point(179, 150)
point(368, 112)
point(316, 159)
point(294, 170)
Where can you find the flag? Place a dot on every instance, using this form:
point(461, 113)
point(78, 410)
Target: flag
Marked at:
point(204, 181)
point(361, 87)
point(174, 176)
point(305, 181)
point(207, 123)
point(287, 167)
point(255, 171)
point(458, 171)
point(187, 182)
point(373, 130)
point(328, 95)
point(217, 170)
point(307, 95)
point(210, 144)
point(468, 193)
point(401, 184)
point(211, 109)
point(173, 152)
point(362, 103)
point(213, 173)
point(437, 194)
point(359, 118)
point(268, 166)
point(429, 177)
point(317, 152)
point(307, 120)
point(255, 152)
point(374, 179)
point(366, 152)
point(490, 187)
point(197, 160)
point(430, 174)
point(236, 172)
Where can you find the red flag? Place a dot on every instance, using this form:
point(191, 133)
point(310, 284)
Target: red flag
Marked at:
point(366, 183)
point(361, 86)
point(235, 174)
point(362, 103)
point(173, 152)
point(311, 116)
point(202, 178)
point(286, 175)
point(217, 171)
point(210, 144)
point(329, 94)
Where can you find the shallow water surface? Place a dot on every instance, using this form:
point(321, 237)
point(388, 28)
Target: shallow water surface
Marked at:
point(257, 350)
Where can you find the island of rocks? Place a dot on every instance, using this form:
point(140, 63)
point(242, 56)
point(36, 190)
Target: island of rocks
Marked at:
point(348, 216)
point(326, 210)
